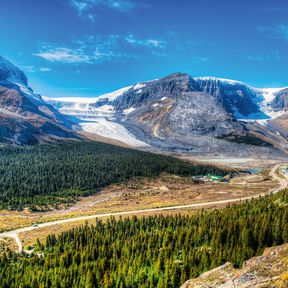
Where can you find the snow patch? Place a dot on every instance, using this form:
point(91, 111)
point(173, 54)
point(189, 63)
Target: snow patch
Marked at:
point(114, 95)
point(28, 92)
point(106, 109)
point(269, 93)
point(139, 86)
point(129, 110)
point(228, 81)
point(163, 98)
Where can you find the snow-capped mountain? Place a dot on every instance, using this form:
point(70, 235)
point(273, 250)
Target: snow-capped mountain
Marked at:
point(24, 117)
point(241, 100)
point(179, 112)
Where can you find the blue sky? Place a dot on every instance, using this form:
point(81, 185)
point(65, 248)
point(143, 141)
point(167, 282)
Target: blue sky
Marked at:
point(89, 47)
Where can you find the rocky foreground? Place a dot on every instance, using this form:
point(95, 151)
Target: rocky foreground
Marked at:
point(268, 270)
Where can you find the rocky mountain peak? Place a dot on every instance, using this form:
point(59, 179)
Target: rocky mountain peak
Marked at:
point(171, 86)
point(10, 73)
point(183, 80)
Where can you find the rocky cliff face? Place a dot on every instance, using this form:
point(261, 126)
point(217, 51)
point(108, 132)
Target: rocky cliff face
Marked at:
point(24, 117)
point(268, 270)
point(280, 102)
point(236, 97)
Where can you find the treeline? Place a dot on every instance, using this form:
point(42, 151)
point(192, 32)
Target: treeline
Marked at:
point(150, 252)
point(58, 173)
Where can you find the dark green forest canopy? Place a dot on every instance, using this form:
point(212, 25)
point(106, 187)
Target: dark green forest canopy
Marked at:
point(150, 252)
point(59, 173)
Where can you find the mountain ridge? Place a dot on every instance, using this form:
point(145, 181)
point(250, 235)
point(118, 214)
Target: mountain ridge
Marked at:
point(177, 113)
point(183, 113)
point(24, 117)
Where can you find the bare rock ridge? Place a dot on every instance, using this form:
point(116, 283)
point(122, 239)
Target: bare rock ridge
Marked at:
point(24, 117)
point(268, 270)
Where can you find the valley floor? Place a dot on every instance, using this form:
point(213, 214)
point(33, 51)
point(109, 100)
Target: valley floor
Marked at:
point(163, 195)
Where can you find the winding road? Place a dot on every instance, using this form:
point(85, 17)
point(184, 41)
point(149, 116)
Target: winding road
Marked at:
point(283, 181)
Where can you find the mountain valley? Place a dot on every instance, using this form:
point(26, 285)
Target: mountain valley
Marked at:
point(230, 143)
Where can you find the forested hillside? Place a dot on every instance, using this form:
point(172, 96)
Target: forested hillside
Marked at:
point(58, 173)
point(150, 252)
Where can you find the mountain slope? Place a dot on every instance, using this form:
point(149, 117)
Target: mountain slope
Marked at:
point(280, 101)
point(268, 270)
point(181, 113)
point(24, 117)
point(174, 111)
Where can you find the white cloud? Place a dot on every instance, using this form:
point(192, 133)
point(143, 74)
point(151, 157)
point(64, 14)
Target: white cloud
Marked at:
point(199, 59)
point(91, 17)
point(155, 43)
point(29, 69)
point(44, 69)
point(152, 43)
point(265, 57)
point(282, 30)
point(87, 7)
point(64, 55)
point(33, 69)
point(80, 5)
point(96, 49)
point(117, 4)
point(279, 31)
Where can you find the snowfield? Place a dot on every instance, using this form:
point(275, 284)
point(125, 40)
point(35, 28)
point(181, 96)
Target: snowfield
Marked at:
point(112, 130)
point(98, 120)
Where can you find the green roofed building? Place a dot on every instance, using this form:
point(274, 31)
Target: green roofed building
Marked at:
point(215, 177)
